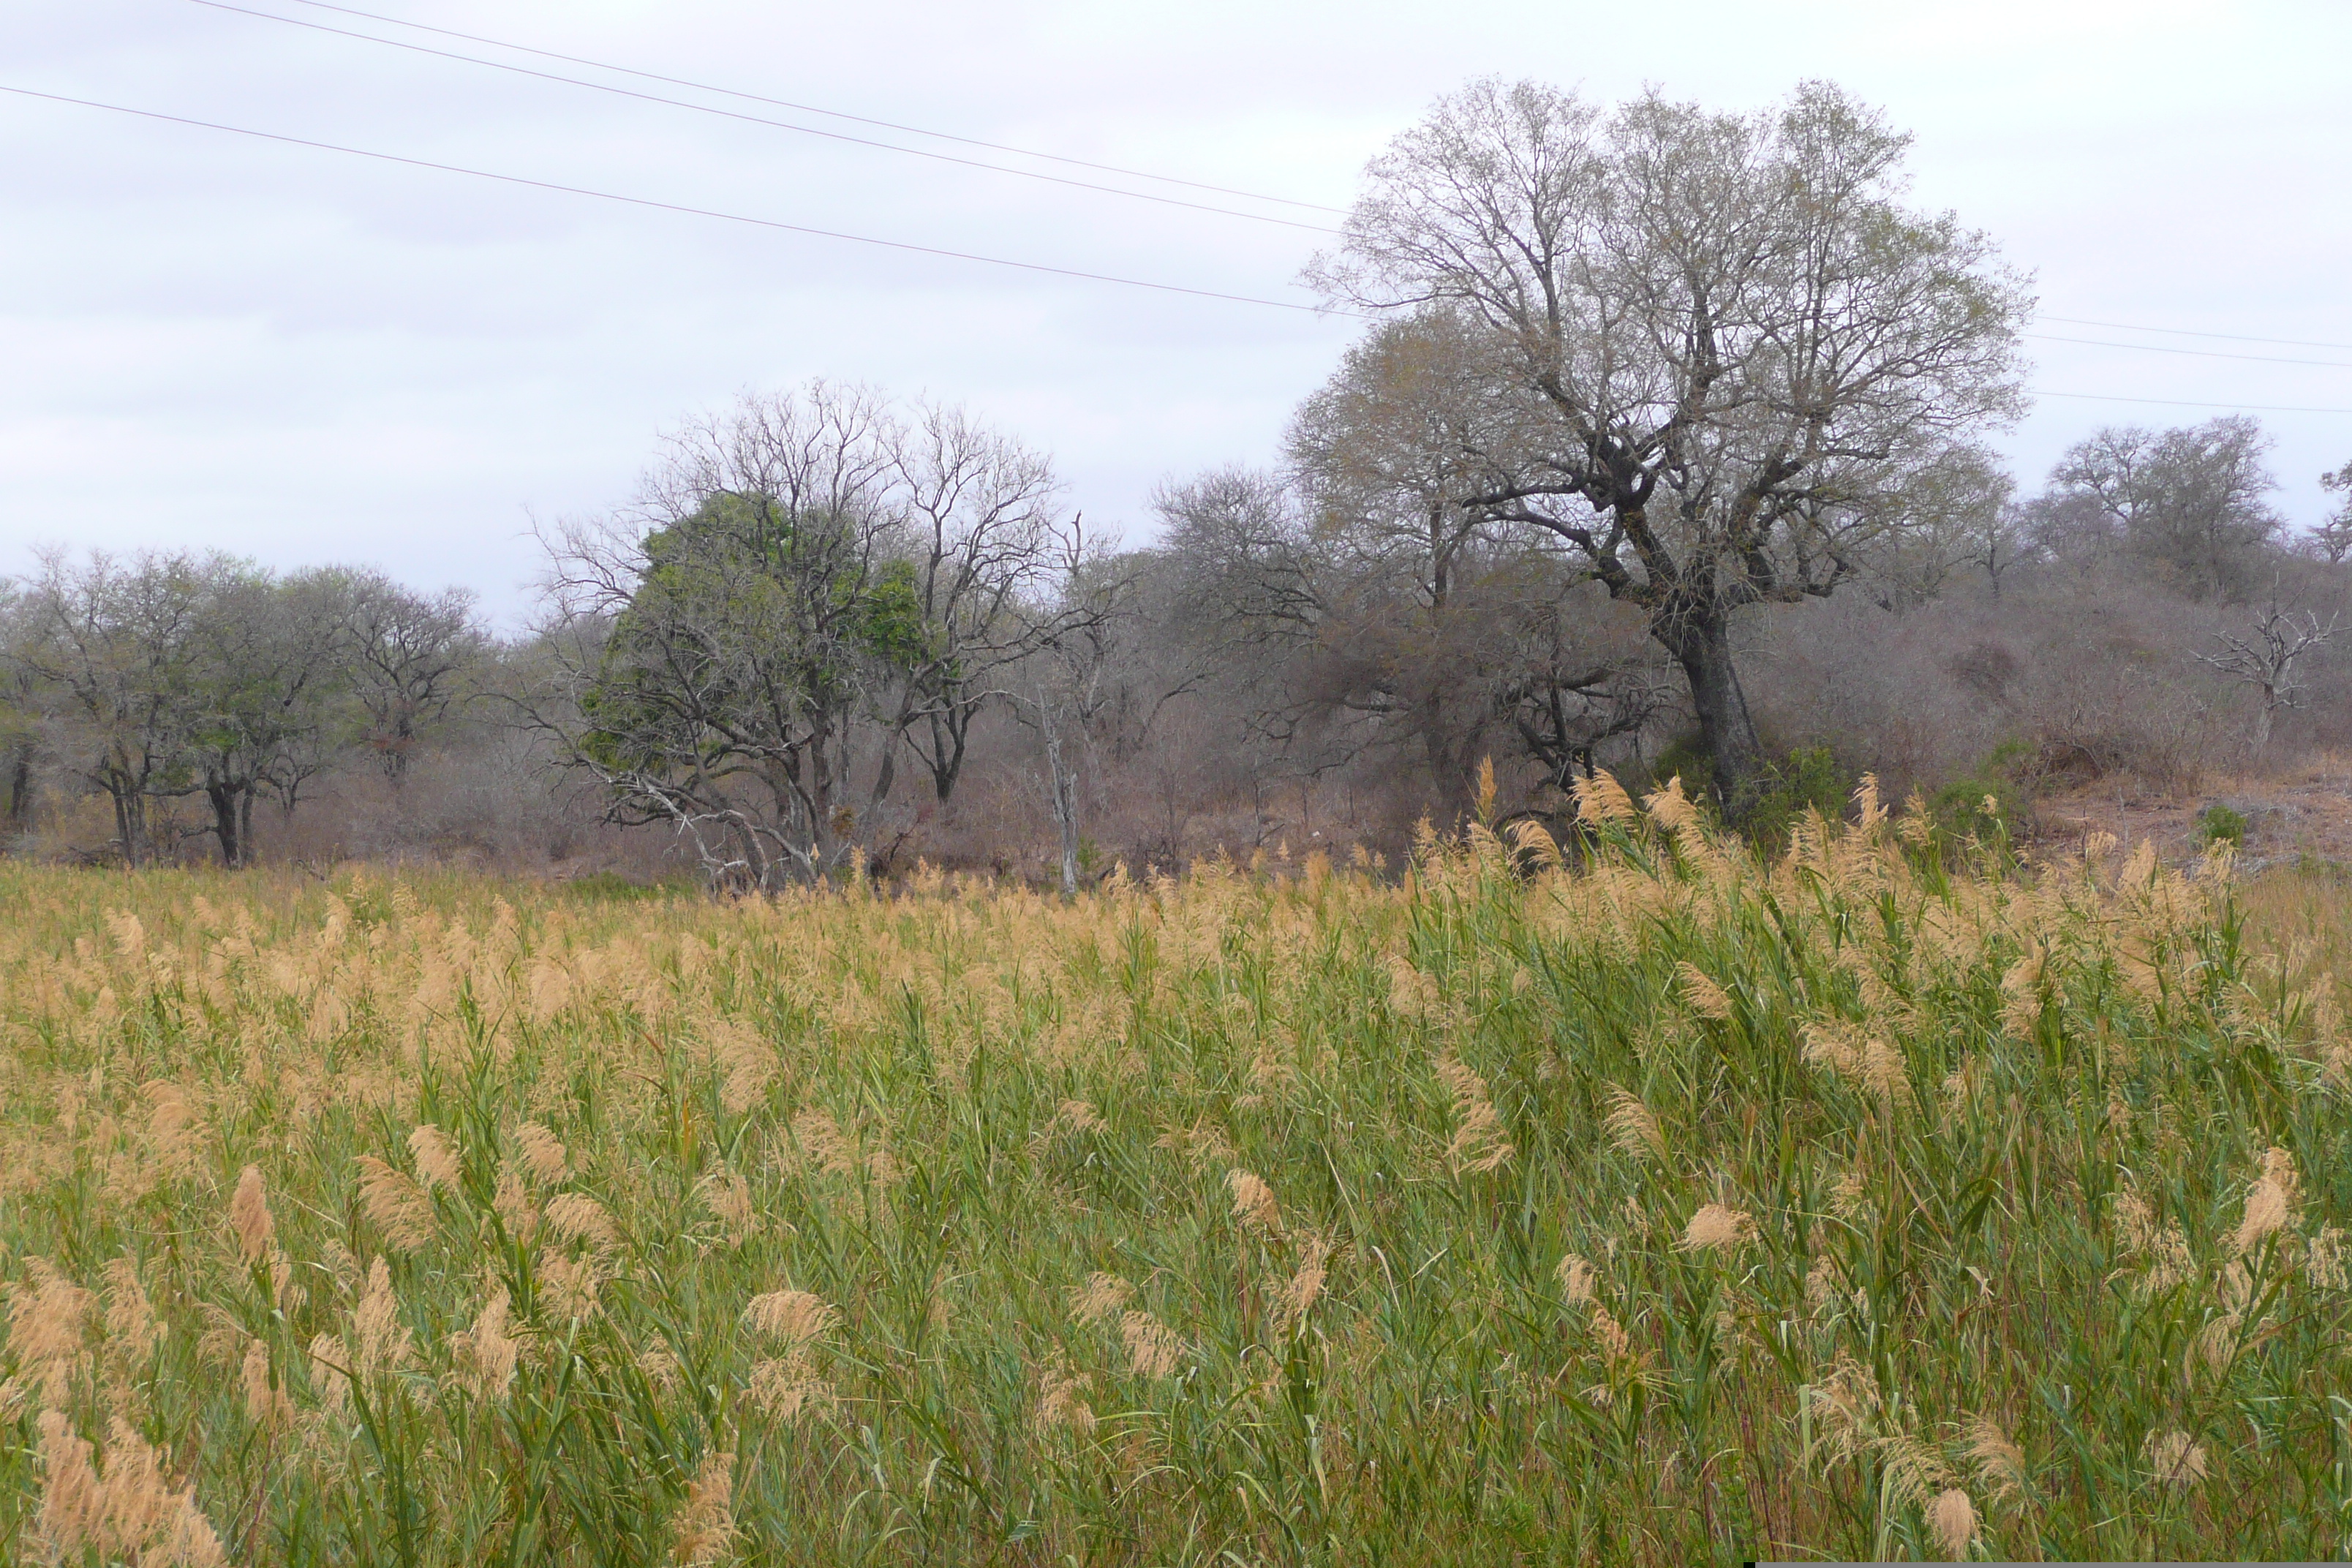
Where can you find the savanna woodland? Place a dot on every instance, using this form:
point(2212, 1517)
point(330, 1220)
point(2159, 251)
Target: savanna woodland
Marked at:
point(1635, 956)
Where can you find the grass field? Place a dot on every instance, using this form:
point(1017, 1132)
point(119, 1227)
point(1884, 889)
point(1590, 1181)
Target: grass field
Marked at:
point(1669, 1209)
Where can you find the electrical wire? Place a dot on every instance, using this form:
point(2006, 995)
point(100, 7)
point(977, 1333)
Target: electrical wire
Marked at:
point(1103, 168)
point(937, 250)
point(2201, 353)
point(759, 120)
point(677, 206)
point(1078, 163)
point(2185, 333)
point(2180, 403)
point(812, 109)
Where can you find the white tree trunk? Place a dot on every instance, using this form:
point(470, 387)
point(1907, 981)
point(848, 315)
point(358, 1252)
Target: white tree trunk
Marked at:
point(1064, 783)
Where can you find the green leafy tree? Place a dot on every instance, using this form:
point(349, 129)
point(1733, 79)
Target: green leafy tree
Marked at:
point(808, 587)
point(725, 671)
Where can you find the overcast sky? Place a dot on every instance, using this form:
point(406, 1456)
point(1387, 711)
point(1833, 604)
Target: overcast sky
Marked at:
point(207, 340)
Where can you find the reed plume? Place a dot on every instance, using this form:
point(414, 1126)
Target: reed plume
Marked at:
point(1154, 1349)
point(1254, 1203)
point(249, 1216)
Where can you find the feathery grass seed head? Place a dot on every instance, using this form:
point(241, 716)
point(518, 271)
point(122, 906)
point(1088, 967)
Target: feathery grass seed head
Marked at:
point(2270, 1203)
point(249, 1216)
point(438, 1163)
point(2175, 1459)
point(543, 1154)
point(1717, 1226)
point(1061, 1400)
point(1298, 1297)
point(1703, 995)
point(1254, 1203)
point(396, 1204)
point(48, 1317)
point(795, 1316)
point(1632, 1125)
point(704, 1527)
point(1999, 1462)
point(1099, 1297)
point(132, 1329)
point(1154, 1349)
point(577, 1217)
point(1952, 1519)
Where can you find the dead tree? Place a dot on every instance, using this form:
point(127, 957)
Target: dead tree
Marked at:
point(2265, 659)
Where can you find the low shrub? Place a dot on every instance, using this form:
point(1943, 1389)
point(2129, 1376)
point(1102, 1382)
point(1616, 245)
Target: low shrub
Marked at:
point(2216, 824)
point(1807, 779)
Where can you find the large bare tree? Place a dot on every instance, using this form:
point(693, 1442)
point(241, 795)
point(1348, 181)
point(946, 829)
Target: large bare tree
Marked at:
point(1450, 624)
point(266, 668)
point(993, 557)
point(1722, 347)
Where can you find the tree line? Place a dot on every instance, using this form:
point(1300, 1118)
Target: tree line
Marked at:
point(1636, 380)
point(171, 677)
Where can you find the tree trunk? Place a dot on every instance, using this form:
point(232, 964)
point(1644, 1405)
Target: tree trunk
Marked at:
point(225, 822)
point(20, 791)
point(1702, 645)
point(129, 816)
point(395, 755)
point(1065, 783)
point(1065, 812)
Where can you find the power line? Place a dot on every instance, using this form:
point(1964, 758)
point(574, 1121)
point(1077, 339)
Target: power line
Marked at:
point(2201, 353)
point(903, 245)
point(1076, 162)
point(2184, 332)
point(812, 109)
point(759, 120)
point(2177, 403)
point(674, 207)
point(1081, 163)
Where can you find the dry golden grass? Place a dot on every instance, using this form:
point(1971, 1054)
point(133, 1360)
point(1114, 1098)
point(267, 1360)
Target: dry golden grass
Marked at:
point(2304, 915)
point(1668, 1207)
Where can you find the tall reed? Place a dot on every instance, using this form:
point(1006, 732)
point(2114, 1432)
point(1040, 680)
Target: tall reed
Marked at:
point(1649, 1203)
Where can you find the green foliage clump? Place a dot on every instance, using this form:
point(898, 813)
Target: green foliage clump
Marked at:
point(2218, 824)
point(611, 887)
point(1808, 779)
point(1685, 759)
point(1987, 807)
point(1980, 808)
point(750, 618)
